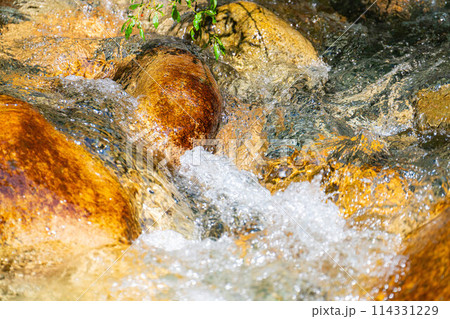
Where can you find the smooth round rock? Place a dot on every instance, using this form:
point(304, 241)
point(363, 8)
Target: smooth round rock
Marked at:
point(52, 190)
point(253, 35)
point(179, 98)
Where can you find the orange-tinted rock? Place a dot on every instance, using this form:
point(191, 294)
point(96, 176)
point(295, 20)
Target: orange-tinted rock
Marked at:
point(427, 273)
point(263, 52)
point(68, 19)
point(366, 193)
point(242, 138)
point(52, 190)
point(179, 98)
point(57, 35)
point(6, 3)
point(433, 109)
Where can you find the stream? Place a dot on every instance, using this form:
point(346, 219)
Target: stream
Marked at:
point(218, 226)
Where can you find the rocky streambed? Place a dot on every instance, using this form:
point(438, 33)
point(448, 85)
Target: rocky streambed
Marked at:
point(309, 163)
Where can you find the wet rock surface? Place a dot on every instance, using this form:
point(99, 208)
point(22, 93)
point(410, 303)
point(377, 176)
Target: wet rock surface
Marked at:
point(426, 275)
point(341, 149)
point(263, 48)
point(265, 54)
point(433, 109)
point(52, 190)
point(252, 33)
point(179, 98)
point(55, 35)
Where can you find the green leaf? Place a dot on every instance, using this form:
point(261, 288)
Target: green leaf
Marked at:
point(175, 14)
point(128, 31)
point(219, 42)
point(134, 6)
point(141, 33)
point(197, 20)
point(155, 21)
point(216, 51)
point(210, 13)
point(189, 3)
point(133, 22)
point(213, 4)
point(124, 25)
point(193, 34)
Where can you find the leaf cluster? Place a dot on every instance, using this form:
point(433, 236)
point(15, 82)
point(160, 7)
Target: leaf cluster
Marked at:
point(152, 9)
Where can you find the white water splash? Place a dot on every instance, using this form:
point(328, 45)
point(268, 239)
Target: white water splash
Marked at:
point(304, 250)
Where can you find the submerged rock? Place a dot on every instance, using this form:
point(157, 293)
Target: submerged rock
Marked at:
point(52, 190)
point(354, 174)
point(57, 35)
point(9, 13)
point(92, 19)
point(426, 275)
point(179, 98)
point(433, 109)
point(385, 9)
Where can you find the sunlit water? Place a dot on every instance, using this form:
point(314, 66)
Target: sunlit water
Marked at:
point(228, 237)
point(297, 247)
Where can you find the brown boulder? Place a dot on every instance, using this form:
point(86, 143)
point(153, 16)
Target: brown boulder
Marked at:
point(52, 190)
point(7, 3)
point(179, 99)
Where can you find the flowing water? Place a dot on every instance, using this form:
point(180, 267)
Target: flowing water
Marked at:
point(228, 237)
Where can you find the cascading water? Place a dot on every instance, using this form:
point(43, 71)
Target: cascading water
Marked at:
point(228, 237)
